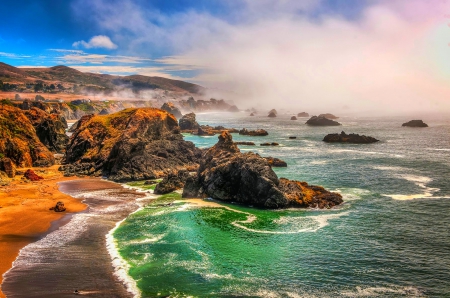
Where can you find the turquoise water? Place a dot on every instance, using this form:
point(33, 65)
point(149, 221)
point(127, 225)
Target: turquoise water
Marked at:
point(391, 238)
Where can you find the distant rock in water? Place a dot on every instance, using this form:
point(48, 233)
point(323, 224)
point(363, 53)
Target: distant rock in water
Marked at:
point(172, 109)
point(257, 132)
point(133, 144)
point(269, 144)
point(415, 123)
point(303, 114)
point(329, 116)
point(245, 143)
point(272, 114)
point(188, 122)
point(233, 109)
point(292, 138)
point(293, 118)
point(275, 162)
point(227, 174)
point(252, 114)
point(321, 121)
point(351, 138)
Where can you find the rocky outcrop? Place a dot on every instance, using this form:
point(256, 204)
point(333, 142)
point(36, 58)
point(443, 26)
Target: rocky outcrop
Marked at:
point(293, 118)
point(50, 129)
point(59, 207)
point(8, 166)
point(275, 162)
point(351, 138)
point(205, 132)
point(415, 123)
point(245, 143)
point(269, 144)
point(18, 140)
point(329, 116)
point(32, 176)
point(133, 144)
point(256, 132)
point(227, 174)
point(172, 182)
point(188, 122)
point(172, 109)
point(321, 121)
point(303, 114)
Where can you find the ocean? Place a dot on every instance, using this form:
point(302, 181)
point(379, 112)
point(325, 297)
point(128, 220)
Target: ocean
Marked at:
point(391, 237)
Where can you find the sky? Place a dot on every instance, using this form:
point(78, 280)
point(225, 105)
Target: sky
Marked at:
point(339, 55)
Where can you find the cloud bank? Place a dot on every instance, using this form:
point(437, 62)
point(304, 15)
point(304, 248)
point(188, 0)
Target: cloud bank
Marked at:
point(99, 41)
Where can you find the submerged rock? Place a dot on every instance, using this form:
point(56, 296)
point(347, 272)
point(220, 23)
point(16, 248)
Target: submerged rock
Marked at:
point(321, 121)
point(247, 178)
point(257, 132)
point(351, 138)
point(172, 109)
point(415, 123)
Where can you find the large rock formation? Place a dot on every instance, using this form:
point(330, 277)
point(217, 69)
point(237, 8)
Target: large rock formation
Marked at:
point(329, 116)
point(134, 144)
point(18, 140)
point(256, 132)
point(229, 175)
point(321, 121)
point(50, 129)
point(351, 138)
point(415, 123)
point(188, 122)
point(172, 109)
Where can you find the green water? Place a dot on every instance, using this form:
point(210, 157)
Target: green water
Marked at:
point(391, 238)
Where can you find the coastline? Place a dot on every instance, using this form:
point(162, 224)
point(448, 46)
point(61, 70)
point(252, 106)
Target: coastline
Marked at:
point(25, 214)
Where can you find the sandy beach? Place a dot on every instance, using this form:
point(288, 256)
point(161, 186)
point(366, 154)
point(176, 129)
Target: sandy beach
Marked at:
point(25, 214)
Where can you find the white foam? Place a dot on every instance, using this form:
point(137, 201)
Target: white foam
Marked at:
point(421, 181)
point(381, 291)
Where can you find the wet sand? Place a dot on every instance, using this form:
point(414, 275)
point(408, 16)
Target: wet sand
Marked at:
point(25, 214)
point(75, 256)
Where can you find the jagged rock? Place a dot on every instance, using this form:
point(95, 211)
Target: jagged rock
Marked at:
point(172, 109)
point(50, 129)
point(8, 166)
point(351, 138)
point(18, 140)
point(293, 118)
point(31, 175)
point(275, 162)
point(245, 143)
point(133, 144)
point(257, 132)
point(229, 175)
point(321, 121)
point(233, 109)
point(172, 182)
point(188, 122)
point(269, 144)
point(303, 114)
point(328, 116)
point(415, 123)
point(59, 207)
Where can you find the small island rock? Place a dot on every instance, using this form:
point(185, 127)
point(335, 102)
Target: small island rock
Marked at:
point(351, 138)
point(321, 121)
point(415, 123)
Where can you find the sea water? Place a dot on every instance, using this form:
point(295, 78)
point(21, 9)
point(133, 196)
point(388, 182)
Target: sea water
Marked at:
point(391, 237)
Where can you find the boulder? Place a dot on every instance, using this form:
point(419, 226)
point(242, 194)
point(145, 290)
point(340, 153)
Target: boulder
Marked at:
point(303, 114)
point(351, 138)
point(227, 174)
point(328, 116)
point(172, 182)
point(293, 118)
point(8, 166)
point(415, 123)
point(188, 122)
point(257, 132)
point(172, 109)
point(321, 121)
point(59, 207)
point(275, 162)
point(32, 176)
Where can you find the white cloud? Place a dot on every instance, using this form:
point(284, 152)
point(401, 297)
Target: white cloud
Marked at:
point(13, 55)
point(99, 41)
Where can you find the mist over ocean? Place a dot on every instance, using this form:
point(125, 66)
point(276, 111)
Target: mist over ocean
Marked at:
point(390, 238)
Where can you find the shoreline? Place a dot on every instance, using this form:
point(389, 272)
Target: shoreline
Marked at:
point(25, 216)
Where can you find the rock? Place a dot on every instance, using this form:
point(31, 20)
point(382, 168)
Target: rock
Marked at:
point(272, 115)
point(172, 182)
point(8, 166)
point(273, 111)
point(293, 118)
point(104, 112)
point(18, 140)
point(275, 162)
point(321, 121)
point(227, 174)
point(150, 182)
point(233, 109)
point(415, 123)
point(269, 144)
point(328, 116)
point(351, 138)
point(203, 132)
point(59, 207)
point(188, 122)
point(245, 143)
point(303, 114)
point(252, 114)
point(133, 144)
point(292, 138)
point(172, 109)
point(31, 175)
point(50, 129)
point(257, 132)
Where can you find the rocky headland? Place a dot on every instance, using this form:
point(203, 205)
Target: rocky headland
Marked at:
point(415, 123)
point(227, 174)
point(321, 121)
point(351, 138)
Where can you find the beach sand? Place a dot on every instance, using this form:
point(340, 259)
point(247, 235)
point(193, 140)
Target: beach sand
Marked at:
point(25, 214)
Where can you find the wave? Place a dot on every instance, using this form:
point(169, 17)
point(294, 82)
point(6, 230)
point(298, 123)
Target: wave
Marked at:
point(420, 181)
